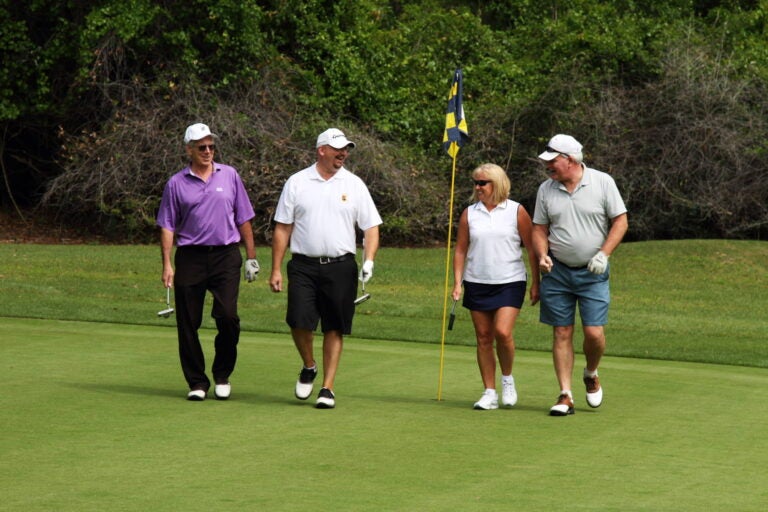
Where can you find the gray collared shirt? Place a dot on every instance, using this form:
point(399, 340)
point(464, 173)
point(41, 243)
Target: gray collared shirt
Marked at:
point(579, 221)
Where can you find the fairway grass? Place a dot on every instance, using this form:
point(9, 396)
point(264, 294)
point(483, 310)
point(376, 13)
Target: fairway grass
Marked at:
point(685, 300)
point(93, 418)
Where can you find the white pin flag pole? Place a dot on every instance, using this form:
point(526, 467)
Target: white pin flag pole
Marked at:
point(447, 274)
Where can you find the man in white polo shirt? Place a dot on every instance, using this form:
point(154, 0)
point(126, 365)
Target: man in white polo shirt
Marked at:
point(578, 222)
point(316, 215)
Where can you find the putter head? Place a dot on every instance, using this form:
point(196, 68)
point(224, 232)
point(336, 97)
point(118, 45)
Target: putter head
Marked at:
point(165, 313)
point(362, 299)
point(168, 310)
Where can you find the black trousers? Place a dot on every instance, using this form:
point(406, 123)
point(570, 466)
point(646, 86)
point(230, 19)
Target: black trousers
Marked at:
point(200, 269)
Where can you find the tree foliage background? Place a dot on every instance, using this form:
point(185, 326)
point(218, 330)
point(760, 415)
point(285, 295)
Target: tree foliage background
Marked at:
point(669, 96)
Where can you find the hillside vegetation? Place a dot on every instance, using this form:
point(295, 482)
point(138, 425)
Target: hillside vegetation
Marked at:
point(668, 96)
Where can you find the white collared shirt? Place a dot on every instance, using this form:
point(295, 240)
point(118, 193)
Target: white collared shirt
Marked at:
point(324, 212)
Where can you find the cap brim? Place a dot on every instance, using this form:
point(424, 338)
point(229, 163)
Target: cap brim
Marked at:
point(342, 144)
point(548, 156)
point(201, 138)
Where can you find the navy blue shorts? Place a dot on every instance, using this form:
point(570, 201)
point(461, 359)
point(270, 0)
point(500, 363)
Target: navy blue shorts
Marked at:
point(490, 297)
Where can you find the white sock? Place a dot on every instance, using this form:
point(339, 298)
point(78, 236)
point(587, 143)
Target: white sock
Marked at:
point(490, 391)
point(507, 379)
point(590, 374)
point(567, 392)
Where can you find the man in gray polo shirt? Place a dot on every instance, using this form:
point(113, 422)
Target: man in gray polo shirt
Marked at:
point(578, 222)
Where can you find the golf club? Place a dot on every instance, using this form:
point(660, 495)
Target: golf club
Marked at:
point(364, 297)
point(452, 317)
point(168, 310)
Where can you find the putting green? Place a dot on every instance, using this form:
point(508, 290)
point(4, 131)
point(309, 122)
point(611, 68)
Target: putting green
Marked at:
point(93, 418)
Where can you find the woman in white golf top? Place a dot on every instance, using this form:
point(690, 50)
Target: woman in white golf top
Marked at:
point(488, 261)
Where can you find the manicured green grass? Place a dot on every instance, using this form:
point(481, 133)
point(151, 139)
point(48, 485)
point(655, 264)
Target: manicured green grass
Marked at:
point(690, 300)
point(93, 419)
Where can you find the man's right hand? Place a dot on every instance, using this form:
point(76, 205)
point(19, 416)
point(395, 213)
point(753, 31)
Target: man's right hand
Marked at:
point(276, 281)
point(545, 264)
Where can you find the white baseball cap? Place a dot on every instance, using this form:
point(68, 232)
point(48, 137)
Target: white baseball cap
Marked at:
point(197, 131)
point(335, 138)
point(561, 145)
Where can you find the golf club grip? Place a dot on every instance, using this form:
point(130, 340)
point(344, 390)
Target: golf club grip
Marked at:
point(450, 321)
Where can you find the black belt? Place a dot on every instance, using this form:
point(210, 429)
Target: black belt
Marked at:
point(209, 248)
point(322, 260)
point(582, 267)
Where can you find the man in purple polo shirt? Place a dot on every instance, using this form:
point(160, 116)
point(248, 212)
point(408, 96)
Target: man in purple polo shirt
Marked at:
point(206, 210)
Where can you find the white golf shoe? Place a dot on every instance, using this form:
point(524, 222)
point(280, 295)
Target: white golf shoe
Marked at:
point(563, 406)
point(487, 402)
point(594, 391)
point(508, 392)
point(305, 383)
point(325, 399)
point(196, 395)
point(222, 391)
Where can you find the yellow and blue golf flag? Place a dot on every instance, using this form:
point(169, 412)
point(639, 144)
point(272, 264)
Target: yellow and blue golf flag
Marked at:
point(456, 133)
point(455, 136)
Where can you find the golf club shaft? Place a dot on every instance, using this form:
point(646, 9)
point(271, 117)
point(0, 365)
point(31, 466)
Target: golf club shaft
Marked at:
point(364, 297)
point(168, 309)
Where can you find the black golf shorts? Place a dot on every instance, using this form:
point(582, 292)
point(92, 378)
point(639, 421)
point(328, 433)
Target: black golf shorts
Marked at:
point(321, 293)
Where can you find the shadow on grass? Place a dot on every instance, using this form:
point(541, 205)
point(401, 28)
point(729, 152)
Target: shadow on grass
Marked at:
point(124, 389)
point(180, 393)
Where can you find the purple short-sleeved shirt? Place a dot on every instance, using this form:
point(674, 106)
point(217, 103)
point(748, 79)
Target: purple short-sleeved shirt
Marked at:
point(205, 213)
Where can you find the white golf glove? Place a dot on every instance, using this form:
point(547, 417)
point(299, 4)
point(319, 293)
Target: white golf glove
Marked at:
point(598, 263)
point(251, 269)
point(367, 271)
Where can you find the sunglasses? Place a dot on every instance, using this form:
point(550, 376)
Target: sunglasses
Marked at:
point(550, 149)
point(481, 183)
point(202, 147)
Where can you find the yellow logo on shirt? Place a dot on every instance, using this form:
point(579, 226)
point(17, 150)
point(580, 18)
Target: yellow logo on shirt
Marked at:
point(343, 198)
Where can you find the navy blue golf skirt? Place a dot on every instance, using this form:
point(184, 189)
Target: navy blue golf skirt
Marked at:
point(489, 297)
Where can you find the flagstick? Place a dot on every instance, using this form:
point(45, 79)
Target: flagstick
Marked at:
point(454, 136)
point(447, 272)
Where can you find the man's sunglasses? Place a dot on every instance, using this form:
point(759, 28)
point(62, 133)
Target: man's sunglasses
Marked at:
point(550, 149)
point(202, 147)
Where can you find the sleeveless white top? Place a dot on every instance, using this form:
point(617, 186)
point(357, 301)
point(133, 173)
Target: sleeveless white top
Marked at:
point(495, 255)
